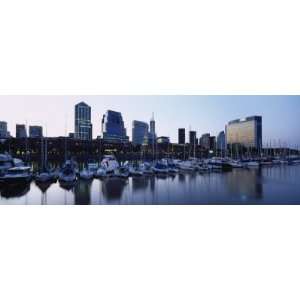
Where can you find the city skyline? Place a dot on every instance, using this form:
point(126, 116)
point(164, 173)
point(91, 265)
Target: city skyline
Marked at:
point(200, 113)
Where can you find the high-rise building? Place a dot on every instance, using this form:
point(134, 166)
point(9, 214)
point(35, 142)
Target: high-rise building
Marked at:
point(140, 131)
point(181, 136)
point(152, 126)
point(21, 131)
point(83, 125)
point(221, 141)
point(35, 131)
point(246, 132)
point(205, 141)
point(212, 143)
point(193, 137)
point(113, 129)
point(3, 130)
point(151, 140)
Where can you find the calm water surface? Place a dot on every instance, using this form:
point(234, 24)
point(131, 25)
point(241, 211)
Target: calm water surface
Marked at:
point(276, 185)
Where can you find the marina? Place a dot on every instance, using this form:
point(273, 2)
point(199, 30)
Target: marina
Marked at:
point(194, 181)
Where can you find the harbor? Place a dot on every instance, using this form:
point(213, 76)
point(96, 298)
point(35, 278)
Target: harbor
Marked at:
point(167, 181)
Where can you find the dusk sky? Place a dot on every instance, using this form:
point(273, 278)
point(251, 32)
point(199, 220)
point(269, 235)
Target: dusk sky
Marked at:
point(203, 113)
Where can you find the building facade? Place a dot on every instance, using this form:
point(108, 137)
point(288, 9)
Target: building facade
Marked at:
point(246, 132)
point(113, 129)
point(35, 131)
point(140, 132)
point(205, 141)
point(193, 137)
point(83, 124)
point(3, 130)
point(181, 136)
point(21, 131)
point(221, 141)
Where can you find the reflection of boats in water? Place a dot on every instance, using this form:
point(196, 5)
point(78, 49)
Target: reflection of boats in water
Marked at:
point(14, 191)
point(82, 193)
point(43, 186)
point(113, 188)
point(140, 183)
point(68, 186)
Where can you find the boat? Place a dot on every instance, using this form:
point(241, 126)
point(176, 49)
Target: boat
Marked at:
point(93, 167)
point(122, 172)
point(17, 175)
point(160, 168)
point(172, 167)
point(101, 173)
point(45, 177)
point(186, 166)
point(7, 162)
point(252, 164)
point(136, 170)
point(204, 168)
point(276, 162)
point(147, 168)
point(68, 172)
point(236, 164)
point(109, 164)
point(86, 174)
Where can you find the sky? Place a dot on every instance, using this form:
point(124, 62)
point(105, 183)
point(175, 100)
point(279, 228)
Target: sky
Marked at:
point(204, 114)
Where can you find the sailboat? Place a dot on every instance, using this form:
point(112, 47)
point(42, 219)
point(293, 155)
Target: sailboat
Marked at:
point(45, 175)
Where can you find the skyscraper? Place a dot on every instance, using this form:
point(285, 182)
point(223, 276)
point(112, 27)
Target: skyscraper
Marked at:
point(35, 131)
point(21, 131)
point(181, 136)
point(246, 132)
point(152, 127)
point(193, 137)
point(3, 130)
point(83, 125)
point(152, 133)
point(113, 129)
point(221, 141)
point(205, 141)
point(140, 131)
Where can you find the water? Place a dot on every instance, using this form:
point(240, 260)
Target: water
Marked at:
point(276, 185)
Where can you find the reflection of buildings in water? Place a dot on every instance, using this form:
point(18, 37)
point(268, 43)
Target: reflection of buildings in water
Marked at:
point(181, 177)
point(139, 183)
point(152, 183)
point(192, 176)
point(14, 191)
point(82, 193)
point(245, 183)
point(113, 188)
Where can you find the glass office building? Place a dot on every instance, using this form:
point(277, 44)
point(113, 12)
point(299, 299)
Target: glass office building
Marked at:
point(35, 131)
point(221, 141)
point(3, 130)
point(246, 132)
point(140, 131)
point(181, 136)
point(83, 125)
point(21, 131)
point(113, 129)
